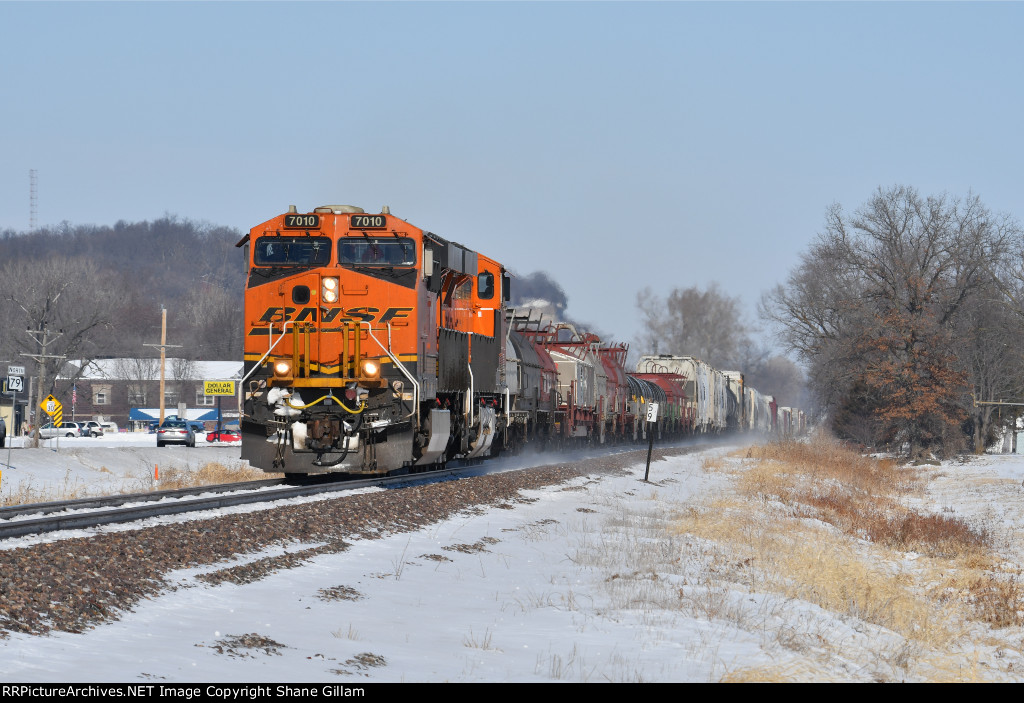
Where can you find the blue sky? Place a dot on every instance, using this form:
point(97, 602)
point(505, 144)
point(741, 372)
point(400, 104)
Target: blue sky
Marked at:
point(615, 145)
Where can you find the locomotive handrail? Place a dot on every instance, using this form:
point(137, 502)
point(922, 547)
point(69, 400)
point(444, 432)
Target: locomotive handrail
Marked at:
point(401, 367)
point(470, 399)
point(270, 349)
point(259, 363)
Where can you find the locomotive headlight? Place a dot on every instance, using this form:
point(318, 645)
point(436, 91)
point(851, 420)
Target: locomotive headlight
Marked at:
point(282, 368)
point(370, 368)
point(329, 290)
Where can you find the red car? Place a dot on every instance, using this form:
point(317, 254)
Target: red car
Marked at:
point(224, 436)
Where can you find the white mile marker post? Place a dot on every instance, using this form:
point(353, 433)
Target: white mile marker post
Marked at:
point(652, 418)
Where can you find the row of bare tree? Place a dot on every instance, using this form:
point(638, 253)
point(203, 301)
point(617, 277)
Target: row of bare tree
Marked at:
point(908, 315)
point(709, 324)
point(80, 293)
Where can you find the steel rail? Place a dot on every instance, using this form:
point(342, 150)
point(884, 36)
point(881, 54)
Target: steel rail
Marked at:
point(229, 495)
point(79, 513)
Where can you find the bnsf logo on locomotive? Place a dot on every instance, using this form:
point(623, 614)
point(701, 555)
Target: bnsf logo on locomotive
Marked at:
point(326, 314)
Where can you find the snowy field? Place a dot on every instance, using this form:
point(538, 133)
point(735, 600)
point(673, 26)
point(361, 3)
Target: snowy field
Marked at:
point(553, 590)
point(114, 463)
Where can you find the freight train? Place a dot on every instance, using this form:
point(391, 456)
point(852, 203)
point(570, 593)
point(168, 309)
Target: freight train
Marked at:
point(373, 347)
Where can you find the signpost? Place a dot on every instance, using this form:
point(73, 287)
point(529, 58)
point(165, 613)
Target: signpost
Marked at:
point(652, 418)
point(219, 389)
point(15, 383)
point(52, 407)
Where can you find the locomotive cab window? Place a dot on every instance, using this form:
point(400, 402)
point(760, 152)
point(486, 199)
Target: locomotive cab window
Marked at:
point(377, 251)
point(485, 285)
point(292, 251)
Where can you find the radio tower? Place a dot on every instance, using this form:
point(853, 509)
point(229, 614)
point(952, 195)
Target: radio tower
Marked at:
point(31, 200)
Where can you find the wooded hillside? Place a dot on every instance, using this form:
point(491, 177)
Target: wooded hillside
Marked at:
point(117, 278)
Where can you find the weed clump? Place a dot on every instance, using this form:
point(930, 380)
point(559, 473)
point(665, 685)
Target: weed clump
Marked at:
point(210, 474)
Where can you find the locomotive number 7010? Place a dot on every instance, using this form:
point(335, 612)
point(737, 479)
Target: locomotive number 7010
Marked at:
point(369, 221)
point(312, 221)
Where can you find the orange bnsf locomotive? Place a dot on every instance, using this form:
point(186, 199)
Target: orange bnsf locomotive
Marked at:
point(370, 345)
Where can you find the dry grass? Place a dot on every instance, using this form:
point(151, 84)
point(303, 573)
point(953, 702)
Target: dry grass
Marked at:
point(787, 556)
point(27, 492)
point(857, 494)
point(712, 463)
point(210, 474)
point(822, 524)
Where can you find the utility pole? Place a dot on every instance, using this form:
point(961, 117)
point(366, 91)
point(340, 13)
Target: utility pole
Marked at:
point(163, 356)
point(32, 200)
point(43, 339)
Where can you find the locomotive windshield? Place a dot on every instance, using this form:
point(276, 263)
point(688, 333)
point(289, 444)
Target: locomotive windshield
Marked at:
point(377, 251)
point(292, 251)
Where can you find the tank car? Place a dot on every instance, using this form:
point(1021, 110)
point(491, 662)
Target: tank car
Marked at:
point(371, 345)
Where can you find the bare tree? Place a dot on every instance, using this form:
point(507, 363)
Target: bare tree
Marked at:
point(210, 326)
point(777, 376)
point(57, 308)
point(873, 304)
point(705, 324)
point(183, 371)
point(139, 373)
point(991, 348)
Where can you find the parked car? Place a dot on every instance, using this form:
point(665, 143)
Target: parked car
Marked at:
point(109, 427)
point(91, 429)
point(225, 435)
point(64, 429)
point(175, 432)
point(194, 424)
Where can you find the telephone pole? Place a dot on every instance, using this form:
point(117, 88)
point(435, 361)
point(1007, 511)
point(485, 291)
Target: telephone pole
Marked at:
point(32, 209)
point(42, 338)
point(163, 356)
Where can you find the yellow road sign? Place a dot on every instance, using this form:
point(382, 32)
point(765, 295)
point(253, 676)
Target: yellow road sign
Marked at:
point(51, 406)
point(218, 387)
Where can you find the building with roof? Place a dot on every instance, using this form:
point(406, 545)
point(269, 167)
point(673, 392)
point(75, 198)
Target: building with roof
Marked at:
point(126, 391)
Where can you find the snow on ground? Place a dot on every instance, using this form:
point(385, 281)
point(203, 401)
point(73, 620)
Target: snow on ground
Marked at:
point(539, 593)
point(114, 463)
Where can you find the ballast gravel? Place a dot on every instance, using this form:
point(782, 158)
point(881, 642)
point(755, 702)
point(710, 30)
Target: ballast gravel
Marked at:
point(74, 584)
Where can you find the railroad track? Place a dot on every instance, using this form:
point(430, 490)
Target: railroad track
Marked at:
point(39, 518)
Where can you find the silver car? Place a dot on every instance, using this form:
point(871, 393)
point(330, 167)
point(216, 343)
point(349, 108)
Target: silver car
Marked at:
point(92, 429)
point(64, 429)
point(175, 432)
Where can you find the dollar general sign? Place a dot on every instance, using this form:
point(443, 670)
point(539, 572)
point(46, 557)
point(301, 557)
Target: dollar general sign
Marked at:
point(218, 387)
